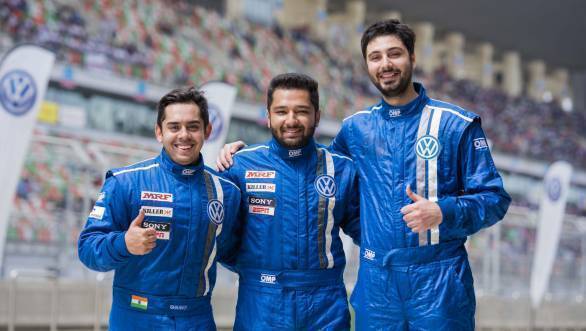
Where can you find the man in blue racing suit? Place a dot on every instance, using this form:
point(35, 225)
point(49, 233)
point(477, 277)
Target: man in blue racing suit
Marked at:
point(427, 181)
point(161, 224)
point(296, 195)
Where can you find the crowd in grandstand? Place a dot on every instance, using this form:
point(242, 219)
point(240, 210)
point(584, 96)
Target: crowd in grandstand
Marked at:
point(175, 43)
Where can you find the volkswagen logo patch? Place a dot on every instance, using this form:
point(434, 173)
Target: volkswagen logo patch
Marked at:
point(554, 189)
point(17, 92)
point(216, 211)
point(216, 121)
point(427, 147)
point(326, 186)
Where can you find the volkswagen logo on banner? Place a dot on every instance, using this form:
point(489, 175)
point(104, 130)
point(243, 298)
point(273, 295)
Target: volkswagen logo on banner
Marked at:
point(554, 189)
point(17, 92)
point(326, 186)
point(427, 147)
point(216, 211)
point(216, 121)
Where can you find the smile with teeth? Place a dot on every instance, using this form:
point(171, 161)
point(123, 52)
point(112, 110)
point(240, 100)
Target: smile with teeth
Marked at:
point(389, 75)
point(184, 147)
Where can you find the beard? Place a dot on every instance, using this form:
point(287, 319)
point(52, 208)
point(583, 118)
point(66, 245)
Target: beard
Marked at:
point(293, 143)
point(397, 88)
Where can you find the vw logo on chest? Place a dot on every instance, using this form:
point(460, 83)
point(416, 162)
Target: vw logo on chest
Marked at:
point(326, 186)
point(216, 211)
point(17, 92)
point(427, 147)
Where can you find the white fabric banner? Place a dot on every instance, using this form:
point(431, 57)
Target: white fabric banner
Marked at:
point(551, 216)
point(24, 76)
point(221, 98)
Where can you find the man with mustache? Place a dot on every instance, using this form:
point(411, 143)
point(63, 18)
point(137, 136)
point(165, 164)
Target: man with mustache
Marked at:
point(427, 181)
point(296, 195)
point(162, 223)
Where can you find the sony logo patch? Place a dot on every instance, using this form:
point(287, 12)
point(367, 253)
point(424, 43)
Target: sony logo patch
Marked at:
point(260, 187)
point(156, 196)
point(163, 230)
point(268, 202)
point(260, 174)
point(158, 211)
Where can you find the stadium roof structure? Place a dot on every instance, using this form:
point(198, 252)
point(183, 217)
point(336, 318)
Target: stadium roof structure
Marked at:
point(551, 30)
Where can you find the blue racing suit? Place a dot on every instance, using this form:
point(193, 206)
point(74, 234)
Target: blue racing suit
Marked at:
point(193, 210)
point(419, 281)
point(291, 260)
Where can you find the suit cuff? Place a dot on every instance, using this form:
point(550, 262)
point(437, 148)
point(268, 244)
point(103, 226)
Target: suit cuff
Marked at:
point(120, 245)
point(448, 207)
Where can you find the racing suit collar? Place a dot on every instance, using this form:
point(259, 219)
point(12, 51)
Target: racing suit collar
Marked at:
point(411, 108)
point(180, 170)
point(292, 153)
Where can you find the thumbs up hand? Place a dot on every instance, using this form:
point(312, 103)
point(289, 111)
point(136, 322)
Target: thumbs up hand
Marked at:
point(140, 241)
point(422, 214)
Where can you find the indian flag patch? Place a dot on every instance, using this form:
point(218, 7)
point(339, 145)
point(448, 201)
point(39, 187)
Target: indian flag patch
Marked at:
point(139, 302)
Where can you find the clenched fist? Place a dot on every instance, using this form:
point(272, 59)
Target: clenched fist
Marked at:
point(140, 241)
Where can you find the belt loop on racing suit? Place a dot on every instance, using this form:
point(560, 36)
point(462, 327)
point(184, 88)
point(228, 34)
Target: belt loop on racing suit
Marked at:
point(291, 278)
point(162, 305)
point(402, 257)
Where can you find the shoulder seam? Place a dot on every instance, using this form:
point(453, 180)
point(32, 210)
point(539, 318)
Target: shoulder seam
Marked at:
point(154, 165)
point(251, 149)
point(464, 117)
point(336, 155)
point(223, 179)
point(358, 112)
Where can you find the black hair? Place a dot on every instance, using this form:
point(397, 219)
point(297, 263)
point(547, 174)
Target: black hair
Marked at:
point(389, 27)
point(188, 94)
point(294, 81)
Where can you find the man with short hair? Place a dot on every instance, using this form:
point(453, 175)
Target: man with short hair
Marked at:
point(296, 195)
point(162, 223)
point(427, 181)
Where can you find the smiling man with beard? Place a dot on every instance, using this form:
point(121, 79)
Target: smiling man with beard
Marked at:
point(427, 181)
point(296, 195)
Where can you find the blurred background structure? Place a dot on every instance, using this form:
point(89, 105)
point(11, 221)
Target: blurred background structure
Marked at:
point(520, 65)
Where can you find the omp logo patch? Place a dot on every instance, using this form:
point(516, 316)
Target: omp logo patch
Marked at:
point(427, 147)
point(263, 206)
point(97, 212)
point(178, 307)
point(294, 152)
point(260, 187)
point(369, 255)
point(259, 174)
point(394, 112)
point(268, 278)
point(101, 196)
point(187, 172)
point(163, 230)
point(156, 196)
point(480, 143)
point(157, 211)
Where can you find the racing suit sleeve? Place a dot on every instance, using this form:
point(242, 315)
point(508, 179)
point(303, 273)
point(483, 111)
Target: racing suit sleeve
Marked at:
point(340, 144)
point(351, 222)
point(483, 200)
point(101, 244)
point(229, 240)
